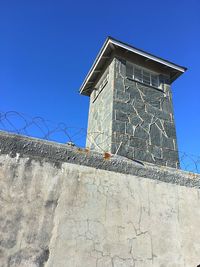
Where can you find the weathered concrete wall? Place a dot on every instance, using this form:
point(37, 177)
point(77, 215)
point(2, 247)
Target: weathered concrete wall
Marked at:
point(58, 214)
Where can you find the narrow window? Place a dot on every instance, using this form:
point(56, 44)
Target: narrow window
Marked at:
point(146, 77)
point(154, 80)
point(129, 70)
point(138, 74)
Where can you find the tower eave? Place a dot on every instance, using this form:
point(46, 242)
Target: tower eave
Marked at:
point(105, 54)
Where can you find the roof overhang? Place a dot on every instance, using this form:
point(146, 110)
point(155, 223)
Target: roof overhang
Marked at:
point(105, 54)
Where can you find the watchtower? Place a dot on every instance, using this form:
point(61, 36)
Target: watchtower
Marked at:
point(131, 111)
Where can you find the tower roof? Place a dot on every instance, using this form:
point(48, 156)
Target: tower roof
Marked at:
point(106, 52)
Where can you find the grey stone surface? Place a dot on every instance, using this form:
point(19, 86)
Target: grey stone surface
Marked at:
point(121, 116)
point(95, 212)
point(100, 116)
point(119, 127)
point(170, 129)
point(138, 142)
point(138, 111)
point(143, 154)
point(155, 135)
point(156, 152)
point(140, 132)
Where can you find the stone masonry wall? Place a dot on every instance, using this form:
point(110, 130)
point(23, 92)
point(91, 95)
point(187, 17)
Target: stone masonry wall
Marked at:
point(143, 122)
point(110, 213)
point(100, 113)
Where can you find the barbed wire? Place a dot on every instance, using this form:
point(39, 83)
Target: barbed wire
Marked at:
point(38, 127)
point(20, 123)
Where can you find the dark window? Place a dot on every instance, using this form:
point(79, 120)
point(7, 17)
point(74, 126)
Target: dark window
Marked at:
point(142, 75)
point(138, 74)
point(146, 77)
point(129, 70)
point(154, 80)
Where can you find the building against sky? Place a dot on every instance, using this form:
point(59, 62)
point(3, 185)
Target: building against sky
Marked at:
point(47, 48)
point(131, 110)
point(62, 205)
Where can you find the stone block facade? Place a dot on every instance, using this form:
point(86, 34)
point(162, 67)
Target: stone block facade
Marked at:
point(99, 132)
point(131, 119)
point(143, 122)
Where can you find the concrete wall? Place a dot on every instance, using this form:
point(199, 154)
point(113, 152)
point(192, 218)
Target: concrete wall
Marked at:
point(62, 206)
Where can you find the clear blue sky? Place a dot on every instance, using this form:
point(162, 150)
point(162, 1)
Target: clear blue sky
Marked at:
point(47, 48)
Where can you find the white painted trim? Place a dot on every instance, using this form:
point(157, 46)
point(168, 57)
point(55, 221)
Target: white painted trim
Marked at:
point(94, 66)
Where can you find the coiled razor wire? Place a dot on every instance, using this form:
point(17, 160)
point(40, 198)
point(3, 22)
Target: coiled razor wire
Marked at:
point(20, 123)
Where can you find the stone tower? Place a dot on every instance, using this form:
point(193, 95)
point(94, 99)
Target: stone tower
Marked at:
point(131, 111)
